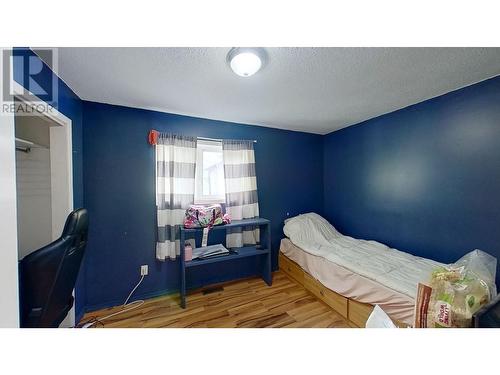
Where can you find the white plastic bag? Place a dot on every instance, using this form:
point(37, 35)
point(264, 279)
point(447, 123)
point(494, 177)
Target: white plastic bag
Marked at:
point(379, 319)
point(480, 265)
point(455, 292)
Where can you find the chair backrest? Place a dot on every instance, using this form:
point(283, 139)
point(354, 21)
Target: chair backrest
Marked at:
point(488, 316)
point(48, 275)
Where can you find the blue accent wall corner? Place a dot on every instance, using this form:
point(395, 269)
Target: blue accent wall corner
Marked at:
point(424, 179)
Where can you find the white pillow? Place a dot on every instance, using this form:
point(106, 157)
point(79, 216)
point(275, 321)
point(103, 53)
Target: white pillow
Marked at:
point(310, 228)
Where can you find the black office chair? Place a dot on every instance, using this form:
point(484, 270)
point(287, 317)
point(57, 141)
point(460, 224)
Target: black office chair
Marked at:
point(488, 316)
point(48, 275)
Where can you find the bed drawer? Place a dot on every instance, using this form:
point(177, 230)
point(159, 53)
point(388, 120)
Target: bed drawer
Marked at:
point(359, 312)
point(332, 299)
point(291, 268)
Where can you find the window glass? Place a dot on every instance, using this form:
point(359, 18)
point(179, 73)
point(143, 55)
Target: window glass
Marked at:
point(210, 187)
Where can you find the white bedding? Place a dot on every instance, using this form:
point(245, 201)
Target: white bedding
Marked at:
point(392, 268)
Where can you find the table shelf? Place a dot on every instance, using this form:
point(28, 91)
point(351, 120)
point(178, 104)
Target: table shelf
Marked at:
point(243, 252)
point(263, 253)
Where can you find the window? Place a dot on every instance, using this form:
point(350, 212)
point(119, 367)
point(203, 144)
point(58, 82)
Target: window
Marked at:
point(209, 178)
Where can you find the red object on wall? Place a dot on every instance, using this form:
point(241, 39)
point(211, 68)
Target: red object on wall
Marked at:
point(153, 137)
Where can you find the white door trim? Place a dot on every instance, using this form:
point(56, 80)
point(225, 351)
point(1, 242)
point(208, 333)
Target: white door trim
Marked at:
point(9, 281)
point(31, 99)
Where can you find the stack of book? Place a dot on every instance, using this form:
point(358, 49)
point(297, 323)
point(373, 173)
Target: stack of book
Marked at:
point(209, 251)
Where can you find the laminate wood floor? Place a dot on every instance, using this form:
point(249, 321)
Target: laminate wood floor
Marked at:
point(248, 303)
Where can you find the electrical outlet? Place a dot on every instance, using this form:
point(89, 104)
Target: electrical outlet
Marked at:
point(144, 270)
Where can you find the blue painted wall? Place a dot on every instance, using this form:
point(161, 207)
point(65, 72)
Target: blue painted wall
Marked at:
point(424, 179)
point(70, 105)
point(119, 194)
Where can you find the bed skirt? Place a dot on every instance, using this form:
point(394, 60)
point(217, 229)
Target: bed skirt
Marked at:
point(359, 291)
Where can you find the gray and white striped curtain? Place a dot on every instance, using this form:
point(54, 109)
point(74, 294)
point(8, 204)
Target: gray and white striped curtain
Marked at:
point(241, 190)
point(175, 181)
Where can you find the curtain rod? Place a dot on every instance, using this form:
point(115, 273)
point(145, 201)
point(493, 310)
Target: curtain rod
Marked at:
point(218, 139)
point(153, 137)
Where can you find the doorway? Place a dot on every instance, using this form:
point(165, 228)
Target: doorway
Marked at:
point(44, 178)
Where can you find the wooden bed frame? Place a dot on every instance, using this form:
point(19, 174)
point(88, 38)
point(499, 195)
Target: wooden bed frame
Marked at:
point(355, 312)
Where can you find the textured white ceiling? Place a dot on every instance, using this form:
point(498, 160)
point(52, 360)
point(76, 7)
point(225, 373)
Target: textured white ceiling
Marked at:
point(315, 90)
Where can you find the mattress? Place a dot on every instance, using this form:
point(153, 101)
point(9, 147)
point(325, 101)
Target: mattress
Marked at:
point(366, 271)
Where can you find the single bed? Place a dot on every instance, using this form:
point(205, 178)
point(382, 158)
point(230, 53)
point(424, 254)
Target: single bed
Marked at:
point(361, 272)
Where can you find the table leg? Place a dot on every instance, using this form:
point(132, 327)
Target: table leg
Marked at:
point(182, 271)
point(267, 263)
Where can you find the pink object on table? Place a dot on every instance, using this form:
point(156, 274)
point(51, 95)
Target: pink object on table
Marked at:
point(188, 252)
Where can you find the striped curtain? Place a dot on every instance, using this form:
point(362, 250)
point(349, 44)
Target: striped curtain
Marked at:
point(175, 173)
point(241, 191)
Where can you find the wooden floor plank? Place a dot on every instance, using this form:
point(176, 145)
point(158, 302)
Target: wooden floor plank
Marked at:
point(248, 303)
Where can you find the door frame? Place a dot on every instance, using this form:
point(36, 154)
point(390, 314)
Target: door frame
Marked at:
point(9, 279)
point(61, 168)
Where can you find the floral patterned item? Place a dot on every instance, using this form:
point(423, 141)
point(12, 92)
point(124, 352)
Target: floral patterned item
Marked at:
point(199, 216)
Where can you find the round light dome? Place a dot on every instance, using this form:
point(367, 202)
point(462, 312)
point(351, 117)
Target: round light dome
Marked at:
point(244, 62)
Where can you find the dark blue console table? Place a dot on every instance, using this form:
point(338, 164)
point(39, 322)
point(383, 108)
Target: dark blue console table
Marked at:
point(264, 250)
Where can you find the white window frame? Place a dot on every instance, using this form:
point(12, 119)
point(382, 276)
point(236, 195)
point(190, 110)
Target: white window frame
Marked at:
point(199, 198)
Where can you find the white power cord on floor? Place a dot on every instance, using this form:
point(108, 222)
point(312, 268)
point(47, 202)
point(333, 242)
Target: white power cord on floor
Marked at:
point(128, 307)
point(132, 292)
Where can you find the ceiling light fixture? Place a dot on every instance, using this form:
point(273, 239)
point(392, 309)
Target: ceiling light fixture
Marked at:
point(245, 62)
